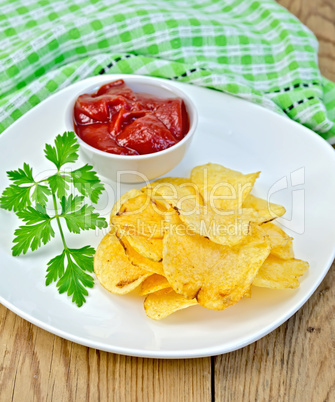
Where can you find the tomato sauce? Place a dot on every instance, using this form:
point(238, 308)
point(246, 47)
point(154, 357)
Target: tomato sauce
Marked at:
point(117, 120)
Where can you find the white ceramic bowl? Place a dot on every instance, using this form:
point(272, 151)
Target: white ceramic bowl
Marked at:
point(138, 168)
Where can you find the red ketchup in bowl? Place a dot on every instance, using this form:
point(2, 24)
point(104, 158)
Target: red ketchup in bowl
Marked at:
point(117, 120)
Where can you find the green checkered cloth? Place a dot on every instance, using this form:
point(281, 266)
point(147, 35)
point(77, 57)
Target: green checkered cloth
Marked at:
point(255, 50)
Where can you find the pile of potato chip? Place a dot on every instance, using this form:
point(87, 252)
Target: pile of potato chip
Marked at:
point(200, 240)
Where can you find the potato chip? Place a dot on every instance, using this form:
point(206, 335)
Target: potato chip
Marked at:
point(204, 240)
point(113, 268)
point(222, 227)
point(217, 276)
point(277, 273)
point(174, 195)
point(167, 186)
point(139, 215)
point(177, 181)
point(160, 304)
point(228, 230)
point(139, 260)
point(284, 252)
point(156, 198)
point(267, 209)
point(221, 187)
point(150, 248)
point(124, 198)
point(154, 283)
point(281, 243)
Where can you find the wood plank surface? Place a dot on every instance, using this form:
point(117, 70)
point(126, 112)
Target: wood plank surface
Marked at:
point(38, 366)
point(293, 363)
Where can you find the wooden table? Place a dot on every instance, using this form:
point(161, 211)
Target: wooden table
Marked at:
point(293, 363)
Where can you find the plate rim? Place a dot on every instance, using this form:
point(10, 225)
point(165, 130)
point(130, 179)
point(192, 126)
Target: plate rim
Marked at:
point(191, 354)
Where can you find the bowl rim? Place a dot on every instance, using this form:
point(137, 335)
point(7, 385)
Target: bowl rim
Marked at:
point(159, 82)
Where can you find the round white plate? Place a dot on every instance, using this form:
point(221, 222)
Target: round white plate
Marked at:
point(298, 171)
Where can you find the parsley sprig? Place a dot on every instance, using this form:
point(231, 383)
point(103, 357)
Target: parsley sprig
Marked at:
point(29, 200)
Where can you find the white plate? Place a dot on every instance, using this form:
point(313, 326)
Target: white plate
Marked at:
point(298, 168)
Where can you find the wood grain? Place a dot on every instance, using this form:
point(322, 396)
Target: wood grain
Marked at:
point(39, 366)
point(293, 363)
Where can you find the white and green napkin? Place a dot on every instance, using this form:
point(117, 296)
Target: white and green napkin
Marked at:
point(255, 50)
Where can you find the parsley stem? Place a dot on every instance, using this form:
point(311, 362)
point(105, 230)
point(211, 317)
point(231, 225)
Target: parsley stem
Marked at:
point(58, 222)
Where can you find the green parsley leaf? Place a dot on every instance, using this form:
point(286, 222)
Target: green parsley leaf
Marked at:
point(70, 269)
point(71, 203)
point(75, 281)
point(40, 194)
point(22, 176)
point(64, 151)
point(84, 219)
point(58, 184)
point(15, 198)
point(55, 268)
point(41, 208)
point(32, 215)
point(31, 236)
point(84, 257)
point(87, 182)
